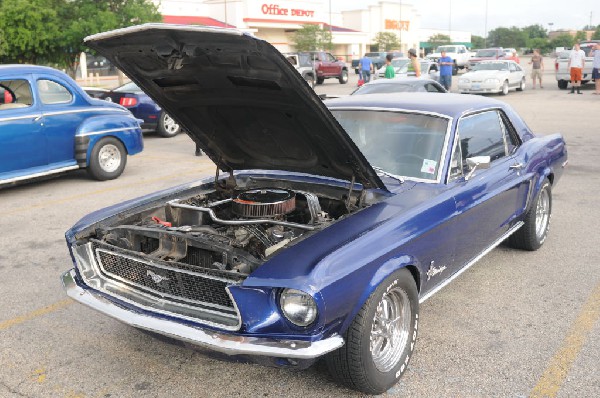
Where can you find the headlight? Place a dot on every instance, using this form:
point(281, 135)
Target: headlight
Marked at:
point(298, 307)
point(464, 81)
point(492, 81)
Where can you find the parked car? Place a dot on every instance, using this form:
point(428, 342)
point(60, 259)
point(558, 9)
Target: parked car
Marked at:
point(458, 52)
point(400, 85)
point(429, 69)
point(332, 222)
point(302, 62)
point(328, 67)
point(94, 92)
point(48, 125)
point(487, 54)
point(493, 77)
point(143, 107)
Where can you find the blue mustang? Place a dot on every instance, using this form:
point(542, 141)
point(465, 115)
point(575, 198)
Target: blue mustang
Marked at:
point(332, 222)
point(48, 125)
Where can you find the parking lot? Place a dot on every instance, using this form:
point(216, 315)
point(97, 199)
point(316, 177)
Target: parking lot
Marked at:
point(516, 324)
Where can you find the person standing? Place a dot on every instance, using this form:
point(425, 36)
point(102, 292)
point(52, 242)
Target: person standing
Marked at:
point(414, 62)
point(446, 66)
point(596, 68)
point(389, 69)
point(365, 65)
point(576, 65)
point(537, 62)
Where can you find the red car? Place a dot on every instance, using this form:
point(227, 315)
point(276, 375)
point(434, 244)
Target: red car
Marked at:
point(487, 54)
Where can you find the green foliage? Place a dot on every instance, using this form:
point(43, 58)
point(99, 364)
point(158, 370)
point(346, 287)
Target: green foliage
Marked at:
point(535, 32)
point(387, 41)
point(52, 31)
point(439, 40)
point(564, 40)
point(312, 38)
point(541, 43)
point(580, 35)
point(507, 37)
point(477, 41)
point(596, 35)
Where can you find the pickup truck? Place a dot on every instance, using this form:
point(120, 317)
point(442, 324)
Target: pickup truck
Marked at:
point(378, 59)
point(458, 52)
point(563, 75)
point(327, 66)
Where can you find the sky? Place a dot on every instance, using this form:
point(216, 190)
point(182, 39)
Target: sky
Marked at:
point(470, 15)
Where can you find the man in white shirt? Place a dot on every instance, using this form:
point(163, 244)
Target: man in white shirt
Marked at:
point(576, 65)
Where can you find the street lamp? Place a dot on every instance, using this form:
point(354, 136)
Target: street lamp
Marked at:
point(486, 15)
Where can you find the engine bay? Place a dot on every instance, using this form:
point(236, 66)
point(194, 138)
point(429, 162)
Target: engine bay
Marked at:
point(229, 229)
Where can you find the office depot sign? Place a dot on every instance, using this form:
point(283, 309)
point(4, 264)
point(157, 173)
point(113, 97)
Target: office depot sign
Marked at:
point(297, 11)
point(275, 9)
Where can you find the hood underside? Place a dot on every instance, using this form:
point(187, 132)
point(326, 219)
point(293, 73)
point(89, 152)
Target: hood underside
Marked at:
point(238, 98)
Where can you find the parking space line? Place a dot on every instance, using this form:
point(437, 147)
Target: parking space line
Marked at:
point(34, 314)
point(91, 193)
point(549, 384)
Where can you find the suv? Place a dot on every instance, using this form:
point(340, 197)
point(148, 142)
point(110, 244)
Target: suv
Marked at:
point(327, 66)
point(301, 61)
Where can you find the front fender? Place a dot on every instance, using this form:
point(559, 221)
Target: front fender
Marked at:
point(124, 127)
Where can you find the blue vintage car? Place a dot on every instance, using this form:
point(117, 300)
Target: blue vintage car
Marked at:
point(48, 125)
point(331, 223)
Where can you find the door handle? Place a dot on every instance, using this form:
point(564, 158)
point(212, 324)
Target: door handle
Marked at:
point(517, 166)
point(37, 118)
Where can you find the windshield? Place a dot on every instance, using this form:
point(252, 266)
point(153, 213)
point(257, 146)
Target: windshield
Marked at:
point(404, 69)
point(491, 66)
point(130, 87)
point(398, 63)
point(448, 49)
point(486, 53)
point(404, 144)
point(386, 88)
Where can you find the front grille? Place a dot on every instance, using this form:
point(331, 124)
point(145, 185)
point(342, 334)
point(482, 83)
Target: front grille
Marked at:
point(177, 283)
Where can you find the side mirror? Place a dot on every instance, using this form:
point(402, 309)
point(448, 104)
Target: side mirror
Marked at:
point(477, 162)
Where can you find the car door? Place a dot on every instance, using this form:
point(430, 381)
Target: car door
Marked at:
point(62, 113)
point(22, 142)
point(514, 77)
point(488, 201)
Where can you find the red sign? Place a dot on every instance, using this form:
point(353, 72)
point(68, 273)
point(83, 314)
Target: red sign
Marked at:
point(274, 9)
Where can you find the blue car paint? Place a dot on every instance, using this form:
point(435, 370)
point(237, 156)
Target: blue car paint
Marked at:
point(43, 137)
point(145, 108)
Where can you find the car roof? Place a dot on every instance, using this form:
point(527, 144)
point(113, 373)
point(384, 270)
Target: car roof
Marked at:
point(451, 105)
point(402, 80)
point(24, 68)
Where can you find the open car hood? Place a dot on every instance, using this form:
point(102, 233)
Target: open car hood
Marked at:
point(238, 98)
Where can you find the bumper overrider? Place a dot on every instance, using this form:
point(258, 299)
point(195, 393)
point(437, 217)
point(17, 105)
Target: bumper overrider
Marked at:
point(230, 344)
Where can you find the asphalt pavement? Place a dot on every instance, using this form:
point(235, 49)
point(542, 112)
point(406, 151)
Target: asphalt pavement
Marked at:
point(516, 324)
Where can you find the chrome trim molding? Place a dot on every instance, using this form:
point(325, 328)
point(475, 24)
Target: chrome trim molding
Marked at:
point(35, 116)
point(470, 263)
point(107, 131)
point(40, 174)
point(221, 342)
point(149, 26)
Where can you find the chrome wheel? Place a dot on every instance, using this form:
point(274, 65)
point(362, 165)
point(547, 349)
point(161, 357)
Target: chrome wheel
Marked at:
point(109, 158)
point(171, 127)
point(390, 330)
point(542, 214)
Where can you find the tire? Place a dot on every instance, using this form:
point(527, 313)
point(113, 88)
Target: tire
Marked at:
point(320, 80)
point(108, 159)
point(310, 80)
point(533, 233)
point(454, 69)
point(374, 367)
point(167, 127)
point(504, 90)
point(521, 85)
point(563, 84)
point(343, 78)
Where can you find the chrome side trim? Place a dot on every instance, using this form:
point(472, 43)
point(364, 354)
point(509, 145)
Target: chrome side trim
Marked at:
point(40, 174)
point(470, 263)
point(221, 342)
point(34, 116)
point(90, 109)
point(107, 131)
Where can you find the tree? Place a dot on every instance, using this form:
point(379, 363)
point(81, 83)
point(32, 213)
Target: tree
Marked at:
point(542, 44)
point(580, 35)
point(535, 32)
point(312, 38)
point(596, 35)
point(52, 31)
point(564, 40)
point(439, 40)
point(507, 37)
point(387, 41)
point(477, 41)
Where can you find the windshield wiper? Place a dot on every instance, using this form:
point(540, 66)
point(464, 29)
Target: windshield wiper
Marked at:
point(385, 173)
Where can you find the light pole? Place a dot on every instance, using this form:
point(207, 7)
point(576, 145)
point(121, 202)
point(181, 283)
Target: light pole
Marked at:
point(486, 14)
point(450, 22)
point(400, 25)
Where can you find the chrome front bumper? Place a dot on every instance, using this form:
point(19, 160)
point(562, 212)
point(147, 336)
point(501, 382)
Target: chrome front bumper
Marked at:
point(221, 342)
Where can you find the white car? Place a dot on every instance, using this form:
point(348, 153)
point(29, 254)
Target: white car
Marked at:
point(429, 69)
point(492, 77)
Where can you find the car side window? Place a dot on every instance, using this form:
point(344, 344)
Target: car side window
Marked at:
point(510, 133)
point(330, 57)
point(15, 94)
point(482, 134)
point(456, 167)
point(53, 93)
point(512, 67)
